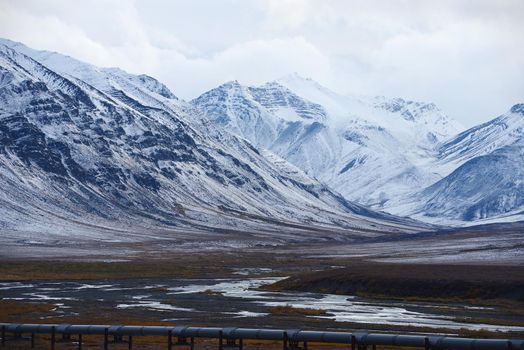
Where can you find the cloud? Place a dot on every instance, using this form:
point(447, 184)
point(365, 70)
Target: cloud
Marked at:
point(463, 55)
point(253, 62)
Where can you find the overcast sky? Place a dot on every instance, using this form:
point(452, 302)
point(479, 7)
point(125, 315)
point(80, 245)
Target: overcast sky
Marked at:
point(466, 56)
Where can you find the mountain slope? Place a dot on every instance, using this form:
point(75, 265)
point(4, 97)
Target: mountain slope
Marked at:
point(400, 156)
point(370, 149)
point(483, 187)
point(502, 131)
point(88, 152)
point(488, 177)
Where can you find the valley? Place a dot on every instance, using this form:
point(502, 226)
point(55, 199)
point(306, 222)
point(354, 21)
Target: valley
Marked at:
point(261, 174)
point(400, 284)
point(239, 289)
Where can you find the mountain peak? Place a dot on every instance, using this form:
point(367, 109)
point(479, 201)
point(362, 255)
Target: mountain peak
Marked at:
point(230, 84)
point(11, 43)
point(154, 85)
point(305, 87)
point(103, 79)
point(275, 84)
point(518, 108)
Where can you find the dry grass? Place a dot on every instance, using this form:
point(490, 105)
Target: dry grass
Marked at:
point(223, 265)
point(18, 311)
point(64, 270)
point(288, 310)
point(447, 283)
point(210, 292)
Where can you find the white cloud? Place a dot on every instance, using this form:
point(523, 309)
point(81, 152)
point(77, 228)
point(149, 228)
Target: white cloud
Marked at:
point(253, 62)
point(464, 55)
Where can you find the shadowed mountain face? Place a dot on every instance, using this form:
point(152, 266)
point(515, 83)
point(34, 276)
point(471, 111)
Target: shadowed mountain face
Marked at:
point(485, 186)
point(98, 153)
point(489, 177)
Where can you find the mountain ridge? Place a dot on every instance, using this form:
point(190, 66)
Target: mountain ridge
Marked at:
point(111, 157)
point(332, 139)
point(387, 153)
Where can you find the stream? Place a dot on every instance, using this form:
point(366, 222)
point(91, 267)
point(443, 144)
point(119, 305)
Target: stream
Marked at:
point(187, 300)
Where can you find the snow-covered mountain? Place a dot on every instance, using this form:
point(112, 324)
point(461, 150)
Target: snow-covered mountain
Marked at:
point(483, 139)
point(400, 156)
point(370, 149)
point(87, 149)
point(89, 152)
point(487, 181)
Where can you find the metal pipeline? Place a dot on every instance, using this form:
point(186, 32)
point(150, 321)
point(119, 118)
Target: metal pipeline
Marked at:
point(360, 338)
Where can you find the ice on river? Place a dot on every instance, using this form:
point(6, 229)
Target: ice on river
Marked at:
point(243, 298)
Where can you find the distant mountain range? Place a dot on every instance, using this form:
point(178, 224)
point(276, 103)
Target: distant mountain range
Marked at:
point(97, 153)
point(403, 157)
point(88, 152)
